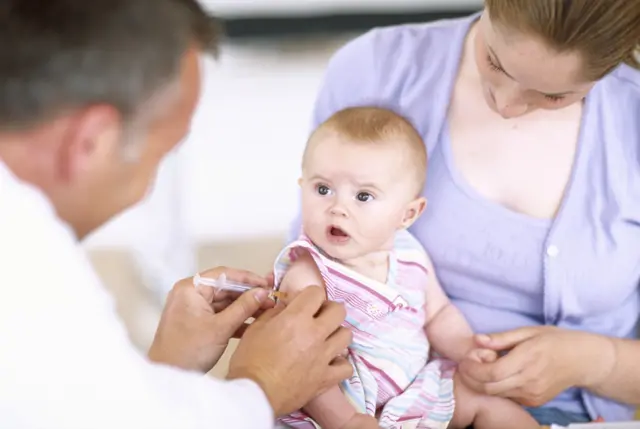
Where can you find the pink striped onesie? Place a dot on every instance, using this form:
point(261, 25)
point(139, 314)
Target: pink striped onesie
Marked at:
point(394, 379)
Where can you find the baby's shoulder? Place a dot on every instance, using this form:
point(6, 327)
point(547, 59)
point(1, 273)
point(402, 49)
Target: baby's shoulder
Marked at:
point(409, 251)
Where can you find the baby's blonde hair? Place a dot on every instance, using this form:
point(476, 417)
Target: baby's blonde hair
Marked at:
point(375, 125)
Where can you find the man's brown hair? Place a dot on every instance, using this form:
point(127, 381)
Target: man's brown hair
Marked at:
point(61, 55)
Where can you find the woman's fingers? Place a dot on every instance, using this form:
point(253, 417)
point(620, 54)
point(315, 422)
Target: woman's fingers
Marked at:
point(495, 377)
point(508, 339)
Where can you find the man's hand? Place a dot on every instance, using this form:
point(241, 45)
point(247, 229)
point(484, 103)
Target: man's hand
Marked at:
point(197, 323)
point(293, 352)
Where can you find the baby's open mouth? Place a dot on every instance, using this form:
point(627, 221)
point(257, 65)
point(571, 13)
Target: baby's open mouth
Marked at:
point(337, 232)
point(337, 235)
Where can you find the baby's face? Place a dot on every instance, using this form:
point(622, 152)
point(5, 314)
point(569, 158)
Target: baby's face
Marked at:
point(355, 197)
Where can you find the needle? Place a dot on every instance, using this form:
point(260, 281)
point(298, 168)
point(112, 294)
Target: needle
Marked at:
point(223, 284)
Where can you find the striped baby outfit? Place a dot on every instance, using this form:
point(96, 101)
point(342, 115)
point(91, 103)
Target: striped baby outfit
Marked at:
point(393, 379)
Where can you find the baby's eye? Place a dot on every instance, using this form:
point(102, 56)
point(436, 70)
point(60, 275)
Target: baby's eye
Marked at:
point(323, 190)
point(364, 197)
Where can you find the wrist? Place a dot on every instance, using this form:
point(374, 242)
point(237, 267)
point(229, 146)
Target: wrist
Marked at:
point(240, 374)
point(156, 355)
point(603, 352)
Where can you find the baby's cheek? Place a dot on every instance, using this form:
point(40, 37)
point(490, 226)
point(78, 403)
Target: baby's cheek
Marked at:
point(379, 229)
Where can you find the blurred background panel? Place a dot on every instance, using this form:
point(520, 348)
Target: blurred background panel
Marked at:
point(250, 18)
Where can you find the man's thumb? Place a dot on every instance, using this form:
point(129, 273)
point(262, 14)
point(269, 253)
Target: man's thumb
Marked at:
point(247, 304)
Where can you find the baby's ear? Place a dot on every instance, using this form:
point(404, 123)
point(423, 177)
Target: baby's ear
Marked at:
point(300, 181)
point(413, 211)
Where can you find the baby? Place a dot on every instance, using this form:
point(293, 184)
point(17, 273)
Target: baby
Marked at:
point(363, 172)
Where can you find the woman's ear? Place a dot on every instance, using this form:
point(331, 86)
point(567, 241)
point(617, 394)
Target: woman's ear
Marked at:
point(413, 211)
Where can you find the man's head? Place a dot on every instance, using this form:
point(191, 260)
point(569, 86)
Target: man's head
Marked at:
point(363, 172)
point(93, 94)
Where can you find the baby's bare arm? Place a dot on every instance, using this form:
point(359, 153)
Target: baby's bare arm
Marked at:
point(448, 331)
point(331, 410)
point(302, 273)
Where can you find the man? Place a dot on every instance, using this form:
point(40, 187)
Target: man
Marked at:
point(93, 94)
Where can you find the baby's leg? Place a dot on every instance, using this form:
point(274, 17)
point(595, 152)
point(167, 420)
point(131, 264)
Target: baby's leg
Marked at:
point(487, 412)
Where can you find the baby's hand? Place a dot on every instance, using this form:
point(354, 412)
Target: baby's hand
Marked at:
point(482, 355)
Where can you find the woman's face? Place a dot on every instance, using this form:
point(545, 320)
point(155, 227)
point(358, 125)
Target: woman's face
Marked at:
point(520, 74)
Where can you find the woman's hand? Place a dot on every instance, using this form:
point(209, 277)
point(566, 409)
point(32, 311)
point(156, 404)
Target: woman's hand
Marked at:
point(541, 363)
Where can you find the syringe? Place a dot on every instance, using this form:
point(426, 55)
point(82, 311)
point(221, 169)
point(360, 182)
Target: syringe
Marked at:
point(223, 284)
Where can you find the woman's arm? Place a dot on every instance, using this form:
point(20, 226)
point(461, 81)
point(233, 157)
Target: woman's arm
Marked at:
point(622, 381)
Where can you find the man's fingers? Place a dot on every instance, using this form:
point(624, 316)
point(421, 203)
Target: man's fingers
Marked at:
point(269, 314)
point(508, 339)
point(307, 301)
point(211, 294)
point(330, 315)
point(339, 370)
point(219, 306)
point(258, 315)
point(237, 275)
point(271, 279)
point(241, 330)
point(246, 306)
point(338, 342)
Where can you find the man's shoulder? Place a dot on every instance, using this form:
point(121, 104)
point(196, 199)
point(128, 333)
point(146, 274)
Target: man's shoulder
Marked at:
point(26, 215)
point(37, 249)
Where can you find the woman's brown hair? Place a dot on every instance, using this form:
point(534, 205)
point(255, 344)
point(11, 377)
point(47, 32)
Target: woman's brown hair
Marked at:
point(605, 32)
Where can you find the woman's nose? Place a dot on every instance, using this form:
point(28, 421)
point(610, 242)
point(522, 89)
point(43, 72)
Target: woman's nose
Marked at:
point(508, 111)
point(510, 103)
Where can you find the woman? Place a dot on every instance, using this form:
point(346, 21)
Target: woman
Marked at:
point(531, 115)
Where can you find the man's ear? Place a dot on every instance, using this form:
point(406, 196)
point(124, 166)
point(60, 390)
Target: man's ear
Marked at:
point(91, 136)
point(413, 211)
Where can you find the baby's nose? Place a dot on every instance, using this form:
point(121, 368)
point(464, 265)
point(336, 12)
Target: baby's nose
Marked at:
point(338, 210)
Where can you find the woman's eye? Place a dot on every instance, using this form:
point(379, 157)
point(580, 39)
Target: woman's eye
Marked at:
point(364, 197)
point(554, 98)
point(493, 66)
point(323, 190)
